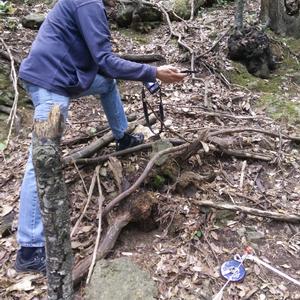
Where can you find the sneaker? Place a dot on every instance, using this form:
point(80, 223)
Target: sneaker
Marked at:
point(129, 140)
point(31, 260)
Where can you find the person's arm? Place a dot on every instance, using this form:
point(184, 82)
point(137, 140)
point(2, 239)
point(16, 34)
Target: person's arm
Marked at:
point(92, 22)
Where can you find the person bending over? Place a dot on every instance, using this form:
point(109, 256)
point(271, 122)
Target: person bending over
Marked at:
point(72, 57)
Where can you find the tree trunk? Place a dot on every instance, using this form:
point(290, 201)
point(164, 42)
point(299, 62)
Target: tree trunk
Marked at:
point(54, 205)
point(283, 16)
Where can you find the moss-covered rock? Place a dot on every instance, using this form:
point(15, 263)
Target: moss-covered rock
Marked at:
point(138, 16)
point(183, 7)
point(120, 279)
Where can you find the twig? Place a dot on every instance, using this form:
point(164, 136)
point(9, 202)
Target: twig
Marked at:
point(99, 159)
point(206, 103)
point(79, 173)
point(100, 201)
point(244, 164)
point(293, 218)
point(216, 43)
point(243, 129)
point(164, 125)
point(175, 34)
point(14, 79)
point(92, 186)
point(192, 10)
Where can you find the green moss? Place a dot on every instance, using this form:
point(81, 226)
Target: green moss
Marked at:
point(293, 44)
point(158, 182)
point(240, 76)
point(280, 108)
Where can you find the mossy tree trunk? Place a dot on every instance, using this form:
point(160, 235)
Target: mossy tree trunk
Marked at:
point(54, 204)
point(283, 16)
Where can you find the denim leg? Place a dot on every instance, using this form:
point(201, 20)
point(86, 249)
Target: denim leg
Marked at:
point(111, 103)
point(30, 229)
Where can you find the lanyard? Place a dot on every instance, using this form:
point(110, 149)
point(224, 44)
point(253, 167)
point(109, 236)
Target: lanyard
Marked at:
point(160, 117)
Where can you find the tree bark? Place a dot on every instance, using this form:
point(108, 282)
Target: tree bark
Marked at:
point(282, 16)
point(54, 205)
point(239, 12)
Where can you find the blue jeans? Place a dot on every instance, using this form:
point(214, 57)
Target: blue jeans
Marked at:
point(30, 230)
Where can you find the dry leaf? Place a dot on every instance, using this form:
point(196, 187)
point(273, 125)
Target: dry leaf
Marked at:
point(6, 209)
point(23, 285)
point(205, 146)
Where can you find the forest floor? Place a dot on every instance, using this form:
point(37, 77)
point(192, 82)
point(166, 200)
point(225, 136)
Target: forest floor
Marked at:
point(189, 244)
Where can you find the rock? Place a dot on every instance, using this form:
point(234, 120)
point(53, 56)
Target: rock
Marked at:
point(254, 235)
point(120, 279)
point(138, 16)
point(33, 21)
point(158, 146)
point(183, 7)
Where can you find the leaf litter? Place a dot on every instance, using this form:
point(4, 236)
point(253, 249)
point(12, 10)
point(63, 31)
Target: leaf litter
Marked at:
point(185, 251)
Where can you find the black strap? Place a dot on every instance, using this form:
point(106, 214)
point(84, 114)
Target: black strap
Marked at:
point(161, 115)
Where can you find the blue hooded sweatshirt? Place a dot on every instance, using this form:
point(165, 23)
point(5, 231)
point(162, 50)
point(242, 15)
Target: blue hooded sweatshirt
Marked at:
point(72, 46)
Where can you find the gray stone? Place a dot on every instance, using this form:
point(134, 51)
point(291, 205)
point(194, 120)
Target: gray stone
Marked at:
point(33, 21)
point(138, 16)
point(255, 235)
point(120, 279)
point(158, 146)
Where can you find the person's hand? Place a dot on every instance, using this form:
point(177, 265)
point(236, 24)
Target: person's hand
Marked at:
point(169, 74)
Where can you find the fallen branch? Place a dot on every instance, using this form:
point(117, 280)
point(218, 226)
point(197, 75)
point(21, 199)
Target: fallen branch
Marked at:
point(251, 211)
point(103, 158)
point(244, 154)
point(249, 129)
point(136, 210)
point(100, 143)
point(138, 182)
point(84, 139)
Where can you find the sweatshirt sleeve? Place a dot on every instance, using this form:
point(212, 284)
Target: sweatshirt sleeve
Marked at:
point(92, 22)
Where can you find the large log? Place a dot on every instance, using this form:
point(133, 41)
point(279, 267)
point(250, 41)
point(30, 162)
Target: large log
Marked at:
point(54, 204)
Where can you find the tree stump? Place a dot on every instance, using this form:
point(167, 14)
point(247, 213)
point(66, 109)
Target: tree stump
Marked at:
point(54, 204)
point(252, 48)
